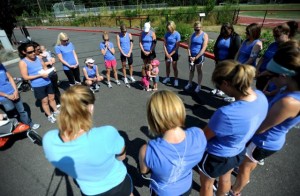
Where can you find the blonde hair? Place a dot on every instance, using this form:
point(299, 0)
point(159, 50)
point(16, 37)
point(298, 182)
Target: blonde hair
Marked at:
point(61, 36)
point(75, 113)
point(165, 111)
point(105, 35)
point(239, 76)
point(197, 23)
point(171, 25)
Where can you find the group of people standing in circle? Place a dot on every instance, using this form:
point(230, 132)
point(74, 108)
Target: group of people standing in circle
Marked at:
point(238, 135)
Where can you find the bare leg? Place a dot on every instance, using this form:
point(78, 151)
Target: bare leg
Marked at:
point(115, 72)
point(199, 70)
point(206, 185)
point(131, 70)
point(52, 102)
point(168, 71)
point(191, 76)
point(108, 74)
point(174, 64)
point(45, 106)
point(124, 69)
point(243, 177)
point(224, 184)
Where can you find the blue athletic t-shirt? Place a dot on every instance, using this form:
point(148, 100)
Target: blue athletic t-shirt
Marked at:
point(5, 85)
point(147, 40)
point(89, 159)
point(235, 124)
point(223, 47)
point(91, 72)
point(171, 164)
point(67, 54)
point(274, 138)
point(171, 40)
point(33, 68)
point(245, 52)
point(270, 52)
point(125, 42)
point(108, 56)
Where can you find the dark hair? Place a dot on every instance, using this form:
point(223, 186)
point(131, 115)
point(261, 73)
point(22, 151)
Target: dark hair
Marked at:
point(254, 30)
point(293, 28)
point(239, 76)
point(35, 44)
point(23, 48)
point(225, 27)
point(281, 29)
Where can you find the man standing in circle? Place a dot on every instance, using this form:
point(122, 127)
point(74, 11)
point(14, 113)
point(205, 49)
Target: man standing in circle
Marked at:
point(125, 45)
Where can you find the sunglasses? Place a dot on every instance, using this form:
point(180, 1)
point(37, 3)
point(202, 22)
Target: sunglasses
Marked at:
point(90, 63)
point(30, 52)
point(65, 40)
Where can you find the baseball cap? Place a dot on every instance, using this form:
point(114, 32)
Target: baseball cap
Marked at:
point(147, 27)
point(89, 60)
point(155, 62)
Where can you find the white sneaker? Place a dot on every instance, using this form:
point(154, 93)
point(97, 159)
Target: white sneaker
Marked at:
point(261, 162)
point(214, 91)
point(97, 86)
point(58, 106)
point(189, 85)
point(51, 118)
point(220, 93)
point(35, 126)
point(118, 82)
point(132, 79)
point(198, 88)
point(92, 89)
point(176, 83)
point(109, 85)
point(125, 80)
point(166, 80)
point(56, 113)
point(229, 99)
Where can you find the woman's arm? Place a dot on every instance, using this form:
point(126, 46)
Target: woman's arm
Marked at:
point(142, 154)
point(119, 45)
point(283, 109)
point(112, 50)
point(131, 44)
point(76, 58)
point(85, 74)
point(153, 43)
point(204, 46)
point(24, 72)
point(165, 50)
point(254, 53)
point(208, 133)
point(122, 154)
point(61, 59)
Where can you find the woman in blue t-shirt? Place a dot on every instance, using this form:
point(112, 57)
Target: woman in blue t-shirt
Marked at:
point(172, 155)
point(231, 126)
point(171, 45)
point(66, 54)
point(251, 47)
point(197, 46)
point(226, 47)
point(125, 45)
point(34, 69)
point(283, 114)
point(147, 44)
point(93, 156)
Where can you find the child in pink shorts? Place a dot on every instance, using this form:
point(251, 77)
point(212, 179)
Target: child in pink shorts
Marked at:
point(108, 50)
point(146, 73)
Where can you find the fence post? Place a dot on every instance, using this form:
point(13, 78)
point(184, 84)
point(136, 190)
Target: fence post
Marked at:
point(232, 22)
point(264, 18)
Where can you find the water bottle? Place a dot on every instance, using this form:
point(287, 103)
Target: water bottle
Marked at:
point(17, 79)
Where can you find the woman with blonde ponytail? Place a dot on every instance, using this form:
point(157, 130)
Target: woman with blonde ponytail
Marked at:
point(231, 126)
point(91, 155)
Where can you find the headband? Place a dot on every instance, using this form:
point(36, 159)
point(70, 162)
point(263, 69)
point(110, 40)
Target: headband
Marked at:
point(279, 69)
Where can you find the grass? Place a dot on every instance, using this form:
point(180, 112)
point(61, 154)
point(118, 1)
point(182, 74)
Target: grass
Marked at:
point(273, 14)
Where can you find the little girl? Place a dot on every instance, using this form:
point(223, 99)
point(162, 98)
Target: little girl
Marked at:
point(154, 73)
point(146, 74)
point(91, 74)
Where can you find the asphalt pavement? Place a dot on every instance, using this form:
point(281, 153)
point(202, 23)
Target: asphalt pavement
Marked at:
point(25, 171)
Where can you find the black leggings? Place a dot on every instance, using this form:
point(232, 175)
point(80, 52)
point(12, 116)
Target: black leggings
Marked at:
point(54, 79)
point(73, 75)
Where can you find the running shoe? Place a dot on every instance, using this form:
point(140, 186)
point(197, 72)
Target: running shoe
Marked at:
point(132, 79)
point(125, 80)
point(51, 118)
point(229, 99)
point(118, 82)
point(97, 86)
point(176, 83)
point(198, 89)
point(220, 93)
point(214, 91)
point(261, 162)
point(35, 126)
point(58, 106)
point(188, 86)
point(109, 85)
point(166, 80)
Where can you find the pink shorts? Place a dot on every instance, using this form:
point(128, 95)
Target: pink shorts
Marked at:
point(145, 81)
point(110, 64)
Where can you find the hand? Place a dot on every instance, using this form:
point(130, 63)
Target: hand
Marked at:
point(44, 75)
point(16, 94)
point(11, 97)
point(192, 59)
point(267, 93)
point(169, 56)
point(107, 44)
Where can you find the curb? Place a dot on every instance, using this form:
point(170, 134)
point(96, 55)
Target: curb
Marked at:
point(11, 62)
